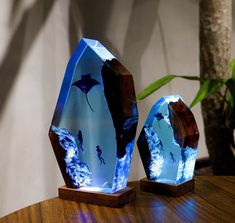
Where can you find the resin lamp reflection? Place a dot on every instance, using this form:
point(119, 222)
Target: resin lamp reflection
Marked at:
point(168, 147)
point(94, 124)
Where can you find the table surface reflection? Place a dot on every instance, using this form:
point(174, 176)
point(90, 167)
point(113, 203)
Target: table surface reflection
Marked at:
point(212, 201)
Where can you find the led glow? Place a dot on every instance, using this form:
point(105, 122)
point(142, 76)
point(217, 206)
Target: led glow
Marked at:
point(156, 167)
point(97, 189)
point(77, 170)
point(157, 160)
point(187, 165)
point(122, 168)
point(95, 124)
point(180, 171)
point(167, 162)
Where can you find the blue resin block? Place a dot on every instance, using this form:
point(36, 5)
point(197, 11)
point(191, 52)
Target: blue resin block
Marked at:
point(168, 142)
point(94, 124)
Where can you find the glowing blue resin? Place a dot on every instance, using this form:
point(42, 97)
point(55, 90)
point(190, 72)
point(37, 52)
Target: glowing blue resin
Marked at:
point(122, 168)
point(164, 158)
point(77, 170)
point(84, 123)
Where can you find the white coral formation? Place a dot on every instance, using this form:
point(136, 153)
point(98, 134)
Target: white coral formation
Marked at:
point(78, 171)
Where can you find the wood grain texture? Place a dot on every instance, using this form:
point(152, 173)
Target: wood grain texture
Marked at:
point(212, 201)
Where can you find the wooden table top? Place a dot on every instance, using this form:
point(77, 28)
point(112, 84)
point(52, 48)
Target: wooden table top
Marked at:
point(212, 201)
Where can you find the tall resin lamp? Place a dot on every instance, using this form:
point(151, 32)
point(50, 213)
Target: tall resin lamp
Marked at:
point(94, 126)
point(168, 145)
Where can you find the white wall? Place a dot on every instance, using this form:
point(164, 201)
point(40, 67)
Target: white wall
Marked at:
point(150, 37)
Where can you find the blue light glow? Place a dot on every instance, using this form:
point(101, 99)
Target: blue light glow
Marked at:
point(77, 170)
point(95, 125)
point(167, 162)
point(122, 168)
point(157, 160)
point(186, 165)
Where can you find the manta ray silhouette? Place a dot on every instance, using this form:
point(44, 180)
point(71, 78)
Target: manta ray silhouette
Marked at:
point(85, 85)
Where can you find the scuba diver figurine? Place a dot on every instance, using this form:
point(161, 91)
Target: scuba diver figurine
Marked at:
point(99, 152)
point(80, 140)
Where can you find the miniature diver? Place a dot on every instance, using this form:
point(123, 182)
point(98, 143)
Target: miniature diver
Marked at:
point(172, 157)
point(80, 140)
point(99, 152)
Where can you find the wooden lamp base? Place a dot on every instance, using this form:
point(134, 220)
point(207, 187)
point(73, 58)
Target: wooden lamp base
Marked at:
point(166, 189)
point(117, 199)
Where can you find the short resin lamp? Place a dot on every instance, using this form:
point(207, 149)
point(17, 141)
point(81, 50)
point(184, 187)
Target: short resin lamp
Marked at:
point(168, 145)
point(94, 126)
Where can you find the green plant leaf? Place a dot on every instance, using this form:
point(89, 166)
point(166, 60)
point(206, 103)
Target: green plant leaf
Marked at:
point(231, 107)
point(192, 78)
point(214, 86)
point(201, 94)
point(155, 86)
point(160, 83)
point(208, 87)
point(230, 100)
point(232, 65)
point(230, 83)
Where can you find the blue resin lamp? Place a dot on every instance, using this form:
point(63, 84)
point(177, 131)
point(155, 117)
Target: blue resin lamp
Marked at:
point(168, 147)
point(94, 124)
